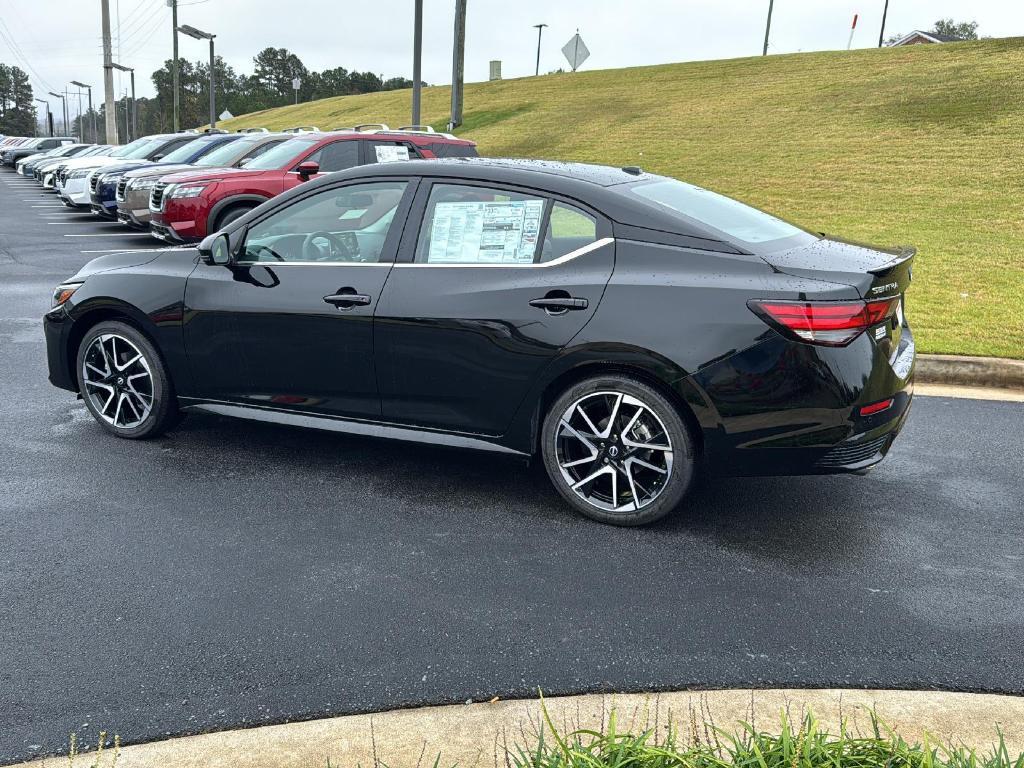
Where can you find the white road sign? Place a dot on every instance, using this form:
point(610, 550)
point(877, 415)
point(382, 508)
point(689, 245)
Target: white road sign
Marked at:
point(576, 51)
point(225, 115)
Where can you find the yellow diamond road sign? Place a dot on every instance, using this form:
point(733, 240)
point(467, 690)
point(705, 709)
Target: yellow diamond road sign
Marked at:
point(576, 51)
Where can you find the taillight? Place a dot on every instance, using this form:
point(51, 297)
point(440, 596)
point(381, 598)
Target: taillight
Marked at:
point(830, 323)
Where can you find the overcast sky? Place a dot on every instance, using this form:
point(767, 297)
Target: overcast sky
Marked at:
point(61, 38)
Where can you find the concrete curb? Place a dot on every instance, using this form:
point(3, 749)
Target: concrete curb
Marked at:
point(970, 371)
point(477, 734)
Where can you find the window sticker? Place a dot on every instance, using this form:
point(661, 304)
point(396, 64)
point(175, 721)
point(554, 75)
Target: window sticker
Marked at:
point(391, 153)
point(485, 232)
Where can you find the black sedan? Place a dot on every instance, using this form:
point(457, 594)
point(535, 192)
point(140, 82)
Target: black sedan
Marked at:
point(629, 329)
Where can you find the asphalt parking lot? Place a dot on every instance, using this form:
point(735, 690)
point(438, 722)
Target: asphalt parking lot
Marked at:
point(234, 573)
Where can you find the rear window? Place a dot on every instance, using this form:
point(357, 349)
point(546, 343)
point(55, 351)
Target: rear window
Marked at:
point(730, 217)
point(443, 149)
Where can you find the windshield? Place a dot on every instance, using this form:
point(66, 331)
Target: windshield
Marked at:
point(731, 217)
point(281, 156)
point(228, 153)
point(184, 153)
point(128, 150)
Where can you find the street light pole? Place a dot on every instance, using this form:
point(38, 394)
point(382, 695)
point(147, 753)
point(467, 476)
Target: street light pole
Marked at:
point(174, 64)
point(92, 115)
point(417, 56)
point(130, 131)
point(540, 31)
point(65, 104)
point(881, 32)
point(458, 63)
point(47, 123)
point(198, 34)
point(768, 27)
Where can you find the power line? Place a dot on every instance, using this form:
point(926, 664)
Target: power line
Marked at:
point(8, 38)
point(160, 20)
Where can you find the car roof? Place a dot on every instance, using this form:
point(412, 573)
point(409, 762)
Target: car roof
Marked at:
point(512, 170)
point(600, 187)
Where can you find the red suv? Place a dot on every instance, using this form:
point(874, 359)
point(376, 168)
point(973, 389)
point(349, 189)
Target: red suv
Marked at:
point(189, 205)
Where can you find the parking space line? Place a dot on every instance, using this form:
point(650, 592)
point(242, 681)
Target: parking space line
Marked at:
point(110, 234)
point(48, 205)
point(131, 250)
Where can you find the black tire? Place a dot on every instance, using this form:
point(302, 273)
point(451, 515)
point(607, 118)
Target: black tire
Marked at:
point(234, 212)
point(163, 409)
point(661, 427)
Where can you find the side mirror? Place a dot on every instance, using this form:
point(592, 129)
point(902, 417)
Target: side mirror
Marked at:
point(215, 250)
point(308, 168)
point(157, 158)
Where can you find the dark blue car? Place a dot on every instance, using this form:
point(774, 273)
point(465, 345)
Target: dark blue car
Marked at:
point(177, 152)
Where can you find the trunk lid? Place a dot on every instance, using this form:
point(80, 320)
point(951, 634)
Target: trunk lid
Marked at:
point(876, 273)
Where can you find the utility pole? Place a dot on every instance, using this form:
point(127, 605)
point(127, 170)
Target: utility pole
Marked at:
point(458, 63)
point(540, 31)
point(174, 63)
point(768, 27)
point(417, 58)
point(108, 76)
point(881, 33)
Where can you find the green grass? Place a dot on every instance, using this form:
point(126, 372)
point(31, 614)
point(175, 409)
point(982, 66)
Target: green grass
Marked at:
point(922, 145)
point(801, 744)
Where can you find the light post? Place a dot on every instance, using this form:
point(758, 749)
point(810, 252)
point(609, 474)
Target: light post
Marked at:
point(131, 130)
point(65, 104)
point(540, 31)
point(92, 115)
point(200, 35)
point(47, 122)
point(417, 59)
point(768, 27)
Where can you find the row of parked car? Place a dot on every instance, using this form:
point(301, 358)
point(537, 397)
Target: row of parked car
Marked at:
point(182, 186)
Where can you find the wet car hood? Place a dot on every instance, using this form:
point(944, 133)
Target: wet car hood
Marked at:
point(118, 261)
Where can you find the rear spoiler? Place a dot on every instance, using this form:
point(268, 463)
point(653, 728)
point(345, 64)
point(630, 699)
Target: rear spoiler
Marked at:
point(905, 255)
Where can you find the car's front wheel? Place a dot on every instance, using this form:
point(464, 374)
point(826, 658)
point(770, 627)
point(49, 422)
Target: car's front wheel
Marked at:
point(123, 381)
point(617, 450)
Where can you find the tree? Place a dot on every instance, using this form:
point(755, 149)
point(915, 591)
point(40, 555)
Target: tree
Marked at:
point(17, 113)
point(965, 30)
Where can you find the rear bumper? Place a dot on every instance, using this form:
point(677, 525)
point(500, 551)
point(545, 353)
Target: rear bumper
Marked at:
point(787, 408)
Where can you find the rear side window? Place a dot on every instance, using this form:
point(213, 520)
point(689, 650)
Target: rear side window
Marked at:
point(444, 149)
point(478, 225)
point(390, 151)
point(337, 156)
point(569, 229)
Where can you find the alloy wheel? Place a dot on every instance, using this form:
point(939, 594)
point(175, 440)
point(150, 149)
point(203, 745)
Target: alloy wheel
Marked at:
point(118, 381)
point(613, 451)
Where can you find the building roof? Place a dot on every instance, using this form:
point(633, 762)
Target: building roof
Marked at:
point(930, 36)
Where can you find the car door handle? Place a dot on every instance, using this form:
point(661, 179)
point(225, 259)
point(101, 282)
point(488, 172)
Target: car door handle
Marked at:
point(560, 304)
point(343, 300)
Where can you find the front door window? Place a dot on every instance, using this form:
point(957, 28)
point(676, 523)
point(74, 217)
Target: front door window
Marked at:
point(349, 225)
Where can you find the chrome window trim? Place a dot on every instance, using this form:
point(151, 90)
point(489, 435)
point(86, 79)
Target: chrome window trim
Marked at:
point(600, 243)
point(314, 263)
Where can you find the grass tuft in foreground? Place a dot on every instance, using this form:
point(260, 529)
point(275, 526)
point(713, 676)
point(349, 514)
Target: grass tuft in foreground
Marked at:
point(796, 744)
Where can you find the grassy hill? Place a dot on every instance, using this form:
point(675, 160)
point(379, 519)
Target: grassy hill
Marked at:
point(921, 145)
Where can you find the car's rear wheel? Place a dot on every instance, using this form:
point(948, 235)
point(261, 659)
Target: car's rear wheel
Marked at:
point(123, 381)
point(232, 213)
point(617, 450)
